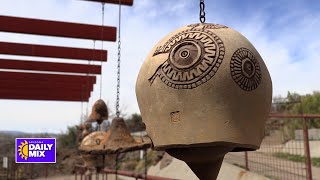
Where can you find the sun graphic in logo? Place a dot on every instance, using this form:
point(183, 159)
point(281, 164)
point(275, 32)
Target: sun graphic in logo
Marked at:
point(23, 150)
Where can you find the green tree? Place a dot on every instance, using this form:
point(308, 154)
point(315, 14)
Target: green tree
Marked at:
point(298, 104)
point(134, 123)
point(69, 139)
point(310, 104)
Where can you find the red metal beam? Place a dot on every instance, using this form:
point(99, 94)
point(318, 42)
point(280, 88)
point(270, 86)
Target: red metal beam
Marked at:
point(46, 87)
point(49, 66)
point(123, 2)
point(46, 97)
point(52, 51)
point(51, 78)
point(56, 28)
point(31, 84)
point(43, 91)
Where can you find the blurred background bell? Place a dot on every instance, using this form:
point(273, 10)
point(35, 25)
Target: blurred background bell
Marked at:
point(120, 140)
point(99, 112)
point(93, 141)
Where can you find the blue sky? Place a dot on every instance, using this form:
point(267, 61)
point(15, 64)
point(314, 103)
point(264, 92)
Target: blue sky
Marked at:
point(286, 33)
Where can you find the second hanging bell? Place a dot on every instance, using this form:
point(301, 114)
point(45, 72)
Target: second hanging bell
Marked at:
point(99, 112)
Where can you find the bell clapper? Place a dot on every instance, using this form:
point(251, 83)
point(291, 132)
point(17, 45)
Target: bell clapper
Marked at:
point(205, 162)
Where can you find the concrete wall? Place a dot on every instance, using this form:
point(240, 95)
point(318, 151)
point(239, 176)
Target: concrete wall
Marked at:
point(314, 134)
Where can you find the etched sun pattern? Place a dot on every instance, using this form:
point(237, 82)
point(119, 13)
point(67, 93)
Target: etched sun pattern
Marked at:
point(23, 150)
point(194, 57)
point(245, 70)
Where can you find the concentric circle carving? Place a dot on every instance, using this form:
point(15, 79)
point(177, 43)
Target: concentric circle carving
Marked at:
point(184, 55)
point(245, 69)
point(194, 56)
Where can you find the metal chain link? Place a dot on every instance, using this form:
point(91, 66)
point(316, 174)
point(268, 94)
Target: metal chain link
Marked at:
point(102, 47)
point(119, 63)
point(81, 116)
point(202, 13)
point(89, 74)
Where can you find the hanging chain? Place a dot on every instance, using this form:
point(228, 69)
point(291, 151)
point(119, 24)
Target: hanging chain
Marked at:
point(89, 73)
point(102, 47)
point(81, 116)
point(202, 13)
point(119, 62)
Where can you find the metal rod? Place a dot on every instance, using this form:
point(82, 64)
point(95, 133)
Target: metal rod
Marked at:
point(135, 175)
point(246, 160)
point(145, 164)
point(56, 28)
point(103, 164)
point(52, 51)
point(116, 170)
point(307, 149)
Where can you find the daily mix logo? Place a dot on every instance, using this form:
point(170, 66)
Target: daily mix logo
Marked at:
point(35, 150)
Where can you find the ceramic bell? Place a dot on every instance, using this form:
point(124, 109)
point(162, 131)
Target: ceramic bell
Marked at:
point(203, 91)
point(120, 139)
point(92, 141)
point(99, 112)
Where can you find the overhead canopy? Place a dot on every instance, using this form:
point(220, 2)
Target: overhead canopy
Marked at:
point(56, 28)
point(49, 66)
point(52, 51)
point(48, 80)
point(15, 85)
point(57, 96)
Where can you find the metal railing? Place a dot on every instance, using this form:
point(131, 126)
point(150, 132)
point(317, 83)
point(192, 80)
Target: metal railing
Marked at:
point(23, 171)
point(285, 150)
point(81, 169)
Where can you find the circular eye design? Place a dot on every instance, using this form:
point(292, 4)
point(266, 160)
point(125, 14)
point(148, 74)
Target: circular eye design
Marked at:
point(194, 57)
point(245, 69)
point(185, 55)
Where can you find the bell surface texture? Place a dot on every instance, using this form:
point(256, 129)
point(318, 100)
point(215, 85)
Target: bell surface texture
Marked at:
point(204, 91)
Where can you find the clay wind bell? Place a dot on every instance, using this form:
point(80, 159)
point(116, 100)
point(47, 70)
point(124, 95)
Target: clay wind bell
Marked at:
point(99, 112)
point(204, 91)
